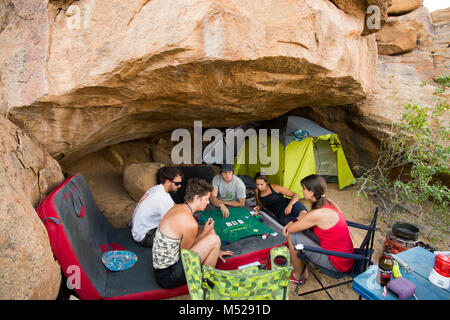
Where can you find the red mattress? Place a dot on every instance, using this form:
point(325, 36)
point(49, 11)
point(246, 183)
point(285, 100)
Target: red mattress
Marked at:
point(79, 234)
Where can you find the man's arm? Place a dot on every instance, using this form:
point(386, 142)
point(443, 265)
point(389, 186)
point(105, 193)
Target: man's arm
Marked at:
point(213, 198)
point(219, 203)
point(239, 203)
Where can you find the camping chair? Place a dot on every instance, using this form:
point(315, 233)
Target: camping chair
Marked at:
point(361, 255)
point(251, 283)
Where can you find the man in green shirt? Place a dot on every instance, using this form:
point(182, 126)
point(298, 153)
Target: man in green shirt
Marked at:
point(228, 190)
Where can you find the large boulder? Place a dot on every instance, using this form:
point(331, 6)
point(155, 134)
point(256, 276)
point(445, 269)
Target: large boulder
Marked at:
point(373, 12)
point(87, 75)
point(396, 38)
point(27, 175)
point(404, 6)
point(420, 21)
point(139, 177)
point(105, 183)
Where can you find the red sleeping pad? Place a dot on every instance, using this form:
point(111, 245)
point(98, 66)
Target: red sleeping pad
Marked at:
point(79, 235)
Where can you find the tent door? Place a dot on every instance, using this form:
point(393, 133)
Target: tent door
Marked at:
point(325, 157)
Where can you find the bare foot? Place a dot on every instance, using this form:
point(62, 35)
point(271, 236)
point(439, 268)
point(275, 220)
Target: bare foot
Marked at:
point(306, 274)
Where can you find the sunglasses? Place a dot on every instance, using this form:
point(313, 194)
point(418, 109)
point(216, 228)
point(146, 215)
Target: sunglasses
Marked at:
point(177, 183)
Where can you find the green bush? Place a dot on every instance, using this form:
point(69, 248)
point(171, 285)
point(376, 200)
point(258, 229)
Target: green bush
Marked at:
point(413, 159)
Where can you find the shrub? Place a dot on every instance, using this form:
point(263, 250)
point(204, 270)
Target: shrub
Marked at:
point(413, 159)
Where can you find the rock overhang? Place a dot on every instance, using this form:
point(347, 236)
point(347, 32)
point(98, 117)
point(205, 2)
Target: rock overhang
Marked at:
point(132, 71)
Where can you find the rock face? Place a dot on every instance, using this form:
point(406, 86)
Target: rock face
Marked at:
point(27, 174)
point(398, 81)
point(97, 73)
point(441, 52)
point(77, 77)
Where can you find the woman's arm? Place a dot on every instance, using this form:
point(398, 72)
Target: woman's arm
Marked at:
point(209, 225)
point(259, 205)
point(288, 193)
point(302, 214)
point(303, 223)
point(189, 230)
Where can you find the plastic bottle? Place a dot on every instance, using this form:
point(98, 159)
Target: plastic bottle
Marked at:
point(385, 265)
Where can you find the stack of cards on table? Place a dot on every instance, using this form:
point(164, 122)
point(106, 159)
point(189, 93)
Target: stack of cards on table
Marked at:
point(234, 223)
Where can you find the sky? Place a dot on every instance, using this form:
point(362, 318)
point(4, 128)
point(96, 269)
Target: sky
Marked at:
point(433, 5)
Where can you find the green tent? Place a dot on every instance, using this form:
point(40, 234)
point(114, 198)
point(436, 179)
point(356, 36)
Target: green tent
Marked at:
point(301, 148)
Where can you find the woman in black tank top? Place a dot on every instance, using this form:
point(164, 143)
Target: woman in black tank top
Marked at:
point(272, 198)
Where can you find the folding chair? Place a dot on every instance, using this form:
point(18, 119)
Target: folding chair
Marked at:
point(251, 283)
point(361, 255)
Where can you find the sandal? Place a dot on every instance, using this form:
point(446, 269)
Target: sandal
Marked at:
point(293, 279)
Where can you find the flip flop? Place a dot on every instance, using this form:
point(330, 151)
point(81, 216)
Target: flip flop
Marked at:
point(293, 279)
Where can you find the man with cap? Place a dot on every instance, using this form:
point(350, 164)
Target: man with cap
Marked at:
point(228, 190)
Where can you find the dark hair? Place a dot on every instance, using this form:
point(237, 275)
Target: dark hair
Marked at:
point(197, 187)
point(169, 173)
point(262, 176)
point(318, 186)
